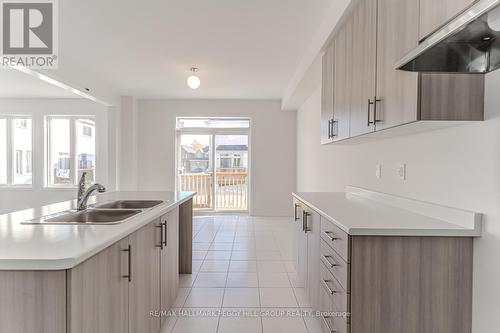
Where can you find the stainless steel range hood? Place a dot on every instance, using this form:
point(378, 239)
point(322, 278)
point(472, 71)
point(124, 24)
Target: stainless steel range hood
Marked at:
point(470, 43)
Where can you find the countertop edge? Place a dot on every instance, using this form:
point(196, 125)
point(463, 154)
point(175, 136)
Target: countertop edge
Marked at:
point(56, 264)
point(424, 232)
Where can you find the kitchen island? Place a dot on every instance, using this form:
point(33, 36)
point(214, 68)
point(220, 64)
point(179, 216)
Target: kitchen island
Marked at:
point(94, 278)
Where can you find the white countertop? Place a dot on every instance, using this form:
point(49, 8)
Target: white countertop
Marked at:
point(55, 247)
point(362, 212)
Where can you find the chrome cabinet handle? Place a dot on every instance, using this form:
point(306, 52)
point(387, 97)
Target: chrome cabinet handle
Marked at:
point(325, 322)
point(328, 233)
point(306, 223)
point(129, 273)
point(330, 263)
point(165, 234)
point(333, 128)
point(376, 100)
point(325, 284)
point(369, 122)
point(304, 220)
point(329, 129)
point(295, 213)
point(161, 236)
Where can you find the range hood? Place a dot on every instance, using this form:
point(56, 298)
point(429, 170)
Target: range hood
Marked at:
point(470, 43)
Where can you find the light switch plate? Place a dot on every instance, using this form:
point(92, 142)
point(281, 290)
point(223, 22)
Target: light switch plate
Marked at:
point(402, 171)
point(378, 171)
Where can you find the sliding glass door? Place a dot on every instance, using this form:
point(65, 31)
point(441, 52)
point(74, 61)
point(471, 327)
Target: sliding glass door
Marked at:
point(196, 168)
point(231, 156)
point(214, 161)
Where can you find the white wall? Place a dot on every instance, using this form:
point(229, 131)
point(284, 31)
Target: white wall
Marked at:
point(458, 166)
point(272, 143)
point(128, 144)
point(12, 199)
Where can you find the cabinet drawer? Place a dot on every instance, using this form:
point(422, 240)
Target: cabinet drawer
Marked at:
point(336, 238)
point(334, 325)
point(332, 288)
point(335, 265)
point(332, 318)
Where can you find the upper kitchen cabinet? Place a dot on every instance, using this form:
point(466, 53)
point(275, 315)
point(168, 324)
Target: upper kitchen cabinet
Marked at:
point(371, 95)
point(434, 14)
point(397, 34)
point(363, 56)
point(327, 94)
point(341, 83)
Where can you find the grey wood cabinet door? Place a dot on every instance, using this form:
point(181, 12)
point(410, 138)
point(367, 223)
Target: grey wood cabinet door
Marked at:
point(397, 91)
point(434, 14)
point(164, 267)
point(363, 55)
point(301, 243)
point(342, 81)
point(458, 97)
point(170, 261)
point(33, 301)
point(98, 294)
point(411, 284)
point(327, 94)
point(144, 287)
point(313, 257)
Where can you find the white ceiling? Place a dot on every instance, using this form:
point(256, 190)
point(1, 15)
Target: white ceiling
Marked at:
point(16, 84)
point(246, 49)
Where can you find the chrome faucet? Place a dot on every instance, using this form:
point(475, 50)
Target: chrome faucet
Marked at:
point(83, 195)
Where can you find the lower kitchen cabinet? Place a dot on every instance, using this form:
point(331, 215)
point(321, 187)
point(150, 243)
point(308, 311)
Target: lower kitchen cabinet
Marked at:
point(125, 288)
point(307, 234)
point(383, 284)
point(312, 229)
point(169, 258)
point(33, 302)
point(98, 292)
point(116, 290)
point(301, 243)
point(144, 286)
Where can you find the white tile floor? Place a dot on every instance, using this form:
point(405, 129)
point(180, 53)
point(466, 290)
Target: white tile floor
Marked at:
point(241, 265)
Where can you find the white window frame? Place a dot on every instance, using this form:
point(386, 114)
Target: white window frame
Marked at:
point(72, 153)
point(11, 159)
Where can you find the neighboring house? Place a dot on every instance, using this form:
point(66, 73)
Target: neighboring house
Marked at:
point(85, 139)
point(23, 156)
point(194, 160)
point(232, 157)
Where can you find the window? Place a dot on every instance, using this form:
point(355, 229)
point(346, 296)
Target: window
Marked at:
point(3, 151)
point(19, 162)
point(225, 162)
point(71, 150)
point(15, 142)
point(86, 131)
point(237, 161)
point(212, 123)
point(22, 123)
point(29, 161)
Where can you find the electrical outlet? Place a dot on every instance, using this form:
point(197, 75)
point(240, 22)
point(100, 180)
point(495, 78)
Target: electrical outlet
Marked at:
point(378, 171)
point(402, 171)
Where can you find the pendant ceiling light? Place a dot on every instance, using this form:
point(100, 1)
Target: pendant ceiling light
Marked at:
point(193, 81)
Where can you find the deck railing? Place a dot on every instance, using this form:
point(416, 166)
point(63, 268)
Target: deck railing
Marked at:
point(231, 192)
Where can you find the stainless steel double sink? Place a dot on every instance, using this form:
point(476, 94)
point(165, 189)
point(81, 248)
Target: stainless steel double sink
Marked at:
point(114, 212)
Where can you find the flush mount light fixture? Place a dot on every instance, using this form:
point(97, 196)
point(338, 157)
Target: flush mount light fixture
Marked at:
point(193, 81)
